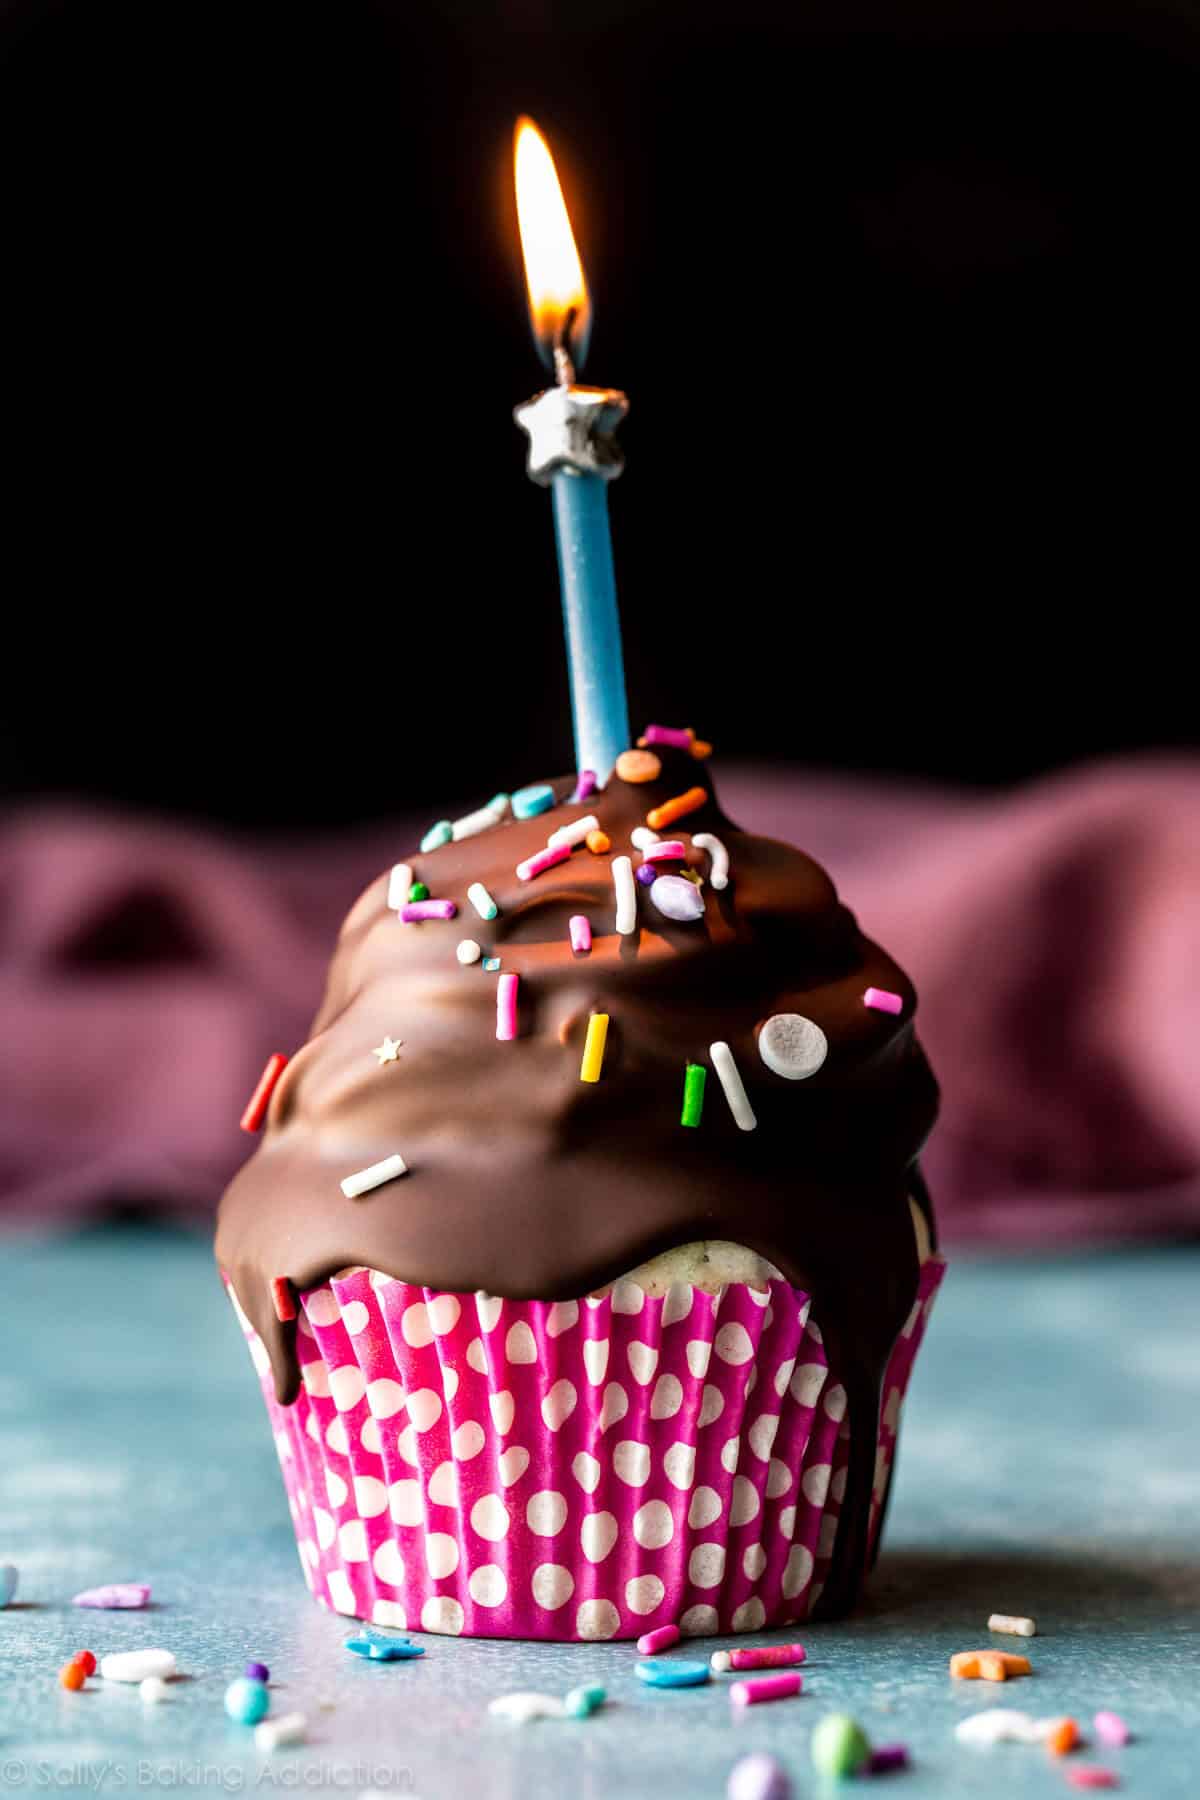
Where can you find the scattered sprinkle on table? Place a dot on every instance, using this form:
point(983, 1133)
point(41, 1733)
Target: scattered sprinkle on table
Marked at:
point(256, 1671)
point(388, 1170)
point(388, 1051)
point(481, 900)
point(759, 1656)
point(1006, 1623)
point(521, 1709)
point(887, 1759)
point(988, 1665)
point(1111, 1728)
point(839, 1746)
point(154, 1690)
point(272, 1734)
point(246, 1701)
point(86, 1661)
point(1000, 1725)
point(72, 1675)
point(582, 1702)
point(1092, 1775)
point(135, 1665)
point(766, 1687)
point(1063, 1738)
point(672, 1674)
point(9, 1577)
point(652, 1642)
point(758, 1777)
point(377, 1648)
point(260, 1099)
point(117, 1596)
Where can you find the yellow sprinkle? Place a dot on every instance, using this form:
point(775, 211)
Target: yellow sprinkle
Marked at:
point(593, 1050)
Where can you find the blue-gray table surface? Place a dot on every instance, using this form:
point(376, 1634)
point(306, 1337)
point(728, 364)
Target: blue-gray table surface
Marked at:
point(1050, 1464)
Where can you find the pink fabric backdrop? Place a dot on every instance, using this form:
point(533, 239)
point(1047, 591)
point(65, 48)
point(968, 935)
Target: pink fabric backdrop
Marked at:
point(146, 972)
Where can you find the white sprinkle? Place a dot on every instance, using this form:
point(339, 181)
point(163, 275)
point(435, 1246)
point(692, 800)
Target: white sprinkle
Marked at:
point(468, 951)
point(573, 834)
point(792, 1046)
point(475, 822)
point(719, 874)
point(153, 1689)
point(626, 891)
point(399, 883)
point(719, 1662)
point(137, 1665)
point(643, 837)
point(374, 1177)
point(730, 1079)
point(290, 1729)
point(521, 1708)
point(1011, 1626)
point(481, 900)
point(998, 1725)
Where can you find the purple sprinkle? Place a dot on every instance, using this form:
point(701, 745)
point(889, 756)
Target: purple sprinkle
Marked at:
point(120, 1595)
point(887, 1758)
point(646, 873)
point(585, 786)
point(416, 910)
point(257, 1672)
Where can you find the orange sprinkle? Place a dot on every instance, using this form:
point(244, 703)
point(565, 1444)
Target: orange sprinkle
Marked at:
point(1015, 1665)
point(988, 1665)
point(638, 765)
point(700, 749)
point(1064, 1737)
point(72, 1675)
point(598, 842)
point(964, 1665)
point(670, 810)
point(992, 1667)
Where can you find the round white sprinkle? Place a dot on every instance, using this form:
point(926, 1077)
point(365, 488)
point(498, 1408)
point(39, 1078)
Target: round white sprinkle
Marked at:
point(730, 1079)
point(137, 1665)
point(719, 874)
point(290, 1729)
point(468, 951)
point(719, 1662)
point(153, 1689)
point(521, 1708)
point(792, 1046)
point(642, 837)
point(374, 1177)
point(677, 899)
point(626, 892)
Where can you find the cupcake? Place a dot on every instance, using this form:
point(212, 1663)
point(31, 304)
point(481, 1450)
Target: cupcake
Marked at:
point(584, 1274)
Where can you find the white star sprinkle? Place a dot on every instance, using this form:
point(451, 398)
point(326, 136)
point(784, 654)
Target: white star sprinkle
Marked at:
point(388, 1051)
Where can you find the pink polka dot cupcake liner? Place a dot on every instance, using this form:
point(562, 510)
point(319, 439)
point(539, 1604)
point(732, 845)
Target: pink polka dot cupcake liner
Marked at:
point(570, 1470)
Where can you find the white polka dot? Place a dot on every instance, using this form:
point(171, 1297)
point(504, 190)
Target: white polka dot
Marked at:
point(597, 1619)
point(668, 1397)
point(653, 1525)
point(834, 1403)
point(678, 1303)
point(322, 1308)
point(315, 1377)
point(559, 1404)
point(679, 1465)
point(706, 1565)
point(644, 1594)
point(779, 1479)
point(390, 1612)
point(749, 1616)
point(262, 1362)
point(443, 1485)
point(783, 1375)
point(467, 1440)
point(347, 1385)
point(513, 1464)
point(370, 1437)
point(881, 1469)
point(586, 1471)
point(352, 1541)
point(415, 1325)
point(699, 1621)
point(751, 1382)
point(283, 1446)
point(760, 1296)
point(814, 1483)
point(488, 1308)
point(355, 1317)
point(798, 1572)
point(704, 1508)
point(384, 1397)
point(441, 1554)
point(837, 1486)
point(628, 1297)
point(442, 1614)
point(449, 1382)
point(546, 1513)
point(520, 1345)
point(561, 1316)
point(792, 1046)
point(406, 1444)
point(424, 1409)
point(910, 1323)
point(379, 1280)
point(787, 1523)
point(730, 1451)
point(754, 1561)
point(592, 1301)
point(762, 1434)
point(643, 1360)
point(444, 1311)
point(616, 1405)
point(733, 1344)
point(341, 1593)
point(699, 1351)
point(807, 1382)
point(404, 1502)
point(488, 1585)
point(813, 1330)
point(312, 1429)
point(595, 1359)
point(744, 1505)
point(370, 1496)
point(711, 1406)
point(891, 1412)
point(598, 1534)
point(336, 1488)
point(631, 1462)
point(552, 1585)
point(324, 1526)
point(477, 1356)
point(827, 1536)
point(489, 1517)
point(309, 1553)
point(388, 1564)
point(502, 1408)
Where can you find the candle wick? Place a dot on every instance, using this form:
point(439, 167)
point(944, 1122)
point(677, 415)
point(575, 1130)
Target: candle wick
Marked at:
point(564, 368)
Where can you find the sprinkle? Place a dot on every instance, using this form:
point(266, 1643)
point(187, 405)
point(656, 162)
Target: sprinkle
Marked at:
point(1063, 1738)
point(247, 1701)
point(758, 1777)
point(574, 833)
point(437, 835)
point(86, 1661)
point(662, 1639)
point(544, 859)
point(694, 876)
point(152, 1690)
point(256, 1671)
point(766, 1656)
point(468, 951)
point(887, 1758)
point(719, 873)
point(256, 1106)
point(732, 1086)
point(882, 1000)
point(626, 892)
point(792, 1046)
point(135, 1665)
point(677, 808)
point(598, 842)
point(418, 891)
point(839, 1745)
point(1091, 1775)
point(998, 1725)
point(694, 1077)
point(664, 850)
point(593, 1049)
point(641, 837)
point(528, 802)
point(274, 1733)
point(399, 883)
point(522, 1708)
point(719, 1662)
point(701, 749)
point(644, 873)
point(481, 900)
point(71, 1676)
point(987, 1665)
point(677, 899)
point(672, 1674)
point(378, 1648)
point(581, 934)
point(585, 786)
point(992, 1666)
point(118, 1596)
point(506, 1008)
point(418, 910)
point(283, 1298)
point(491, 964)
point(668, 735)
point(1003, 1622)
point(388, 1170)
point(767, 1687)
point(9, 1577)
point(638, 765)
point(1111, 1728)
point(582, 1702)
point(499, 804)
point(482, 820)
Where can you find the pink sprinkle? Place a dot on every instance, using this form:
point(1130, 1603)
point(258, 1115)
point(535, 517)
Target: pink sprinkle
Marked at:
point(670, 850)
point(887, 1758)
point(122, 1595)
point(545, 859)
point(416, 910)
point(662, 1639)
point(1091, 1775)
point(771, 1687)
point(581, 934)
point(585, 786)
point(506, 1008)
point(666, 734)
point(768, 1656)
point(1111, 1728)
point(880, 1000)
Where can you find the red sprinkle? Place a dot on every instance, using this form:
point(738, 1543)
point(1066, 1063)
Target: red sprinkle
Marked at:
point(284, 1298)
point(260, 1099)
point(86, 1661)
point(1091, 1775)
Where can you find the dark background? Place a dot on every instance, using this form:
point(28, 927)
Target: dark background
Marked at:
point(905, 298)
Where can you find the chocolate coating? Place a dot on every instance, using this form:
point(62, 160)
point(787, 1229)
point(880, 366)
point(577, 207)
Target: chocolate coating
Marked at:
point(525, 1181)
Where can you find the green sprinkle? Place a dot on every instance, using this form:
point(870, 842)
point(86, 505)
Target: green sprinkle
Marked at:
point(582, 1701)
point(498, 803)
point(491, 964)
point(437, 835)
point(418, 891)
point(693, 1094)
point(839, 1745)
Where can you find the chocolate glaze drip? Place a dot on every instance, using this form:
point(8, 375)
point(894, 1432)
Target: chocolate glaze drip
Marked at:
point(525, 1181)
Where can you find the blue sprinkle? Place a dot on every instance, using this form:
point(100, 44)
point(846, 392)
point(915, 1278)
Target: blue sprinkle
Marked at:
point(491, 964)
point(528, 802)
point(437, 835)
point(382, 1649)
point(247, 1701)
point(666, 1674)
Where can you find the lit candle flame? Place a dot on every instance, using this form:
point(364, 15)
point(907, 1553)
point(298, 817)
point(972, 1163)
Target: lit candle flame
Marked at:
point(559, 305)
